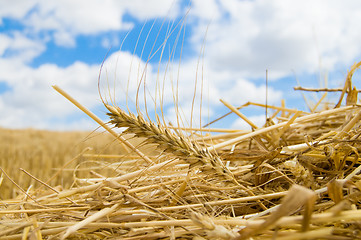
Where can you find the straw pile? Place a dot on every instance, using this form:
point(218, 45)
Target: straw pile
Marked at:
point(297, 177)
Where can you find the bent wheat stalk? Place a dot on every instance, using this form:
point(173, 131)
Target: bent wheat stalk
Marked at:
point(167, 141)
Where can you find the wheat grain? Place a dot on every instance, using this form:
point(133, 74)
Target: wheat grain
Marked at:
point(167, 141)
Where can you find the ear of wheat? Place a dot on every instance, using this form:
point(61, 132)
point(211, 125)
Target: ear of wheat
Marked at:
point(168, 141)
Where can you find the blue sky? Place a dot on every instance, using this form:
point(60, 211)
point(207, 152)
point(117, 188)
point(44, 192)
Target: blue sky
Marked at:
point(44, 43)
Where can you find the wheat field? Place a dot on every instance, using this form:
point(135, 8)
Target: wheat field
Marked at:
point(295, 177)
point(43, 153)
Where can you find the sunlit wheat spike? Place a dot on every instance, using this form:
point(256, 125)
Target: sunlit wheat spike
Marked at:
point(167, 141)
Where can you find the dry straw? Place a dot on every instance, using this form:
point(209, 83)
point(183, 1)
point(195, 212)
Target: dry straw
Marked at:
point(296, 177)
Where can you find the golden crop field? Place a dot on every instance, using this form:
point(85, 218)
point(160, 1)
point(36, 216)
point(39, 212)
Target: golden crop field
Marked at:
point(43, 153)
point(295, 177)
point(298, 177)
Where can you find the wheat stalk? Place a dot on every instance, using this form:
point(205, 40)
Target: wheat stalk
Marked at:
point(168, 141)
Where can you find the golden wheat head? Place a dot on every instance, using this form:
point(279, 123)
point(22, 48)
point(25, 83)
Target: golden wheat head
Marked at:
point(167, 141)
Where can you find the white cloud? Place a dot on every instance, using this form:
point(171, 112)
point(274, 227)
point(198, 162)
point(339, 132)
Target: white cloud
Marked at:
point(68, 19)
point(109, 42)
point(183, 114)
point(15, 9)
point(144, 10)
point(206, 10)
point(244, 39)
point(31, 102)
point(18, 46)
point(281, 36)
point(64, 39)
point(5, 41)
point(121, 76)
point(221, 85)
point(83, 17)
point(206, 93)
point(245, 90)
point(258, 120)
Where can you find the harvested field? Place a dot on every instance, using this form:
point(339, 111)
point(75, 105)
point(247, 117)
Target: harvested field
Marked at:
point(297, 177)
point(170, 161)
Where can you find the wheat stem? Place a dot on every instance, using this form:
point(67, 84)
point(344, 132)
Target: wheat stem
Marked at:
point(101, 123)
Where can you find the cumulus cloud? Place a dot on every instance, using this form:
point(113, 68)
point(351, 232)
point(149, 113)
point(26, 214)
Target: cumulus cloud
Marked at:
point(144, 10)
point(31, 102)
point(252, 36)
point(243, 39)
point(67, 19)
point(19, 47)
point(16, 9)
